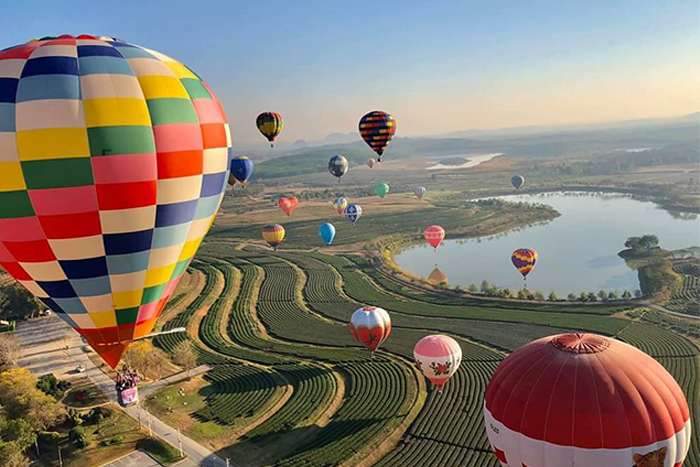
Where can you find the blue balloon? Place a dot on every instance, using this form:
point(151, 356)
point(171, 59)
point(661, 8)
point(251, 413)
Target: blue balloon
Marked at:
point(327, 233)
point(241, 169)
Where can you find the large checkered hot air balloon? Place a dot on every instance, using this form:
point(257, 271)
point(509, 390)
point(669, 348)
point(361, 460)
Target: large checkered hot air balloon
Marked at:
point(585, 400)
point(113, 163)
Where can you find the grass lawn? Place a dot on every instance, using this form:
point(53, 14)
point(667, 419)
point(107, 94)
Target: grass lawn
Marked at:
point(114, 437)
point(176, 410)
point(84, 394)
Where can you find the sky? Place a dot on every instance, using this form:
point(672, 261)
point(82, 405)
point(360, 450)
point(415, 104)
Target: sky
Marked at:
point(438, 66)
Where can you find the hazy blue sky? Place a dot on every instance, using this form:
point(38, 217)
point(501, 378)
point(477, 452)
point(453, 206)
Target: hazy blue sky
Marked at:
point(439, 66)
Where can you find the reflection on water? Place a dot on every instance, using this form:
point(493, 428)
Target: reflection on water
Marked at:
point(577, 251)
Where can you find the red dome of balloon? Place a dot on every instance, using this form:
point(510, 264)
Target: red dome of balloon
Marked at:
point(583, 399)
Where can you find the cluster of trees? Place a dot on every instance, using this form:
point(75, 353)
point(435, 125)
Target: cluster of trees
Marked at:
point(25, 411)
point(151, 362)
point(17, 303)
point(492, 290)
point(643, 243)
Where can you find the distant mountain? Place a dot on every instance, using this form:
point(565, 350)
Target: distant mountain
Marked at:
point(693, 118)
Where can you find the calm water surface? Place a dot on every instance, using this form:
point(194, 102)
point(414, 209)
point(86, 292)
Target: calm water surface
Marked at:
point(577, 251)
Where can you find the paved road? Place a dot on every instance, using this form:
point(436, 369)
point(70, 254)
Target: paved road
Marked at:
point(43, 351)
point(135, 459)
point(666, 310)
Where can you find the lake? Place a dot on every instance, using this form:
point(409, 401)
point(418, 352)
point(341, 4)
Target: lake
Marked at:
point(577, 251)
point(472, 161)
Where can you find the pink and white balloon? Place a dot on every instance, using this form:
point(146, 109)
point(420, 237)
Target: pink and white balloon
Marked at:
point(371, 326)
point(420, 192)
point(438, 357)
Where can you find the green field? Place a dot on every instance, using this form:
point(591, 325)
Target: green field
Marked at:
point(280, 320)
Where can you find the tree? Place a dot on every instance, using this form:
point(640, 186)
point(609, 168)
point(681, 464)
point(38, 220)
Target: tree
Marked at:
point(185, 355)
point(592, 297)
point(612, 296)
point(506, 293)
point(603, 295)
point(539, 296)
point(146, 359)
point(22, 400)
point(552, 297)
point(522, 294)
point(484, 286)
point(637, 293)
point(17, 303)
point(571, 297)
point(583, 297)
point(643, 243)
point(626, 295)
point(472, 288)
point(9, 350)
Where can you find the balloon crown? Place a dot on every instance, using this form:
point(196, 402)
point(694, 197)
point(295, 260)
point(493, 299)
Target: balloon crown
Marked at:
point(580, 343)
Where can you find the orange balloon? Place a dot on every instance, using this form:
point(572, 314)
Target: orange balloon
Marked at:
point(288, 205)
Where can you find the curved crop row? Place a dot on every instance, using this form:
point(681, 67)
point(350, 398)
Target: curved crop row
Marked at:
point(450, 427)
point(314, 387)
point(237, 391)
point(360, 288)
point(376, 394)
point(658, 342)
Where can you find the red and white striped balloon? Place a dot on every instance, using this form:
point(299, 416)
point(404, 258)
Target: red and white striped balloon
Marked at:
point(582, 399)
point(438, 356)
point(371, 326)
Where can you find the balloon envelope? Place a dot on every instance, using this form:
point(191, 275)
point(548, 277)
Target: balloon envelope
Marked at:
point(117, 165)
point(517, 181)
point(273, 234)
point(371, 326)
point(434, 235)
point(327, 233)
point(270, 125)
point(338, 165)
point(524, 260)
point(438, 357)
point(353, 212)
point(241, 169)
point(381, 189)
point(371, 162)
point(339, 205)
point(377, 128)
point(420, 192)
point(288, 205)
point(607, 404)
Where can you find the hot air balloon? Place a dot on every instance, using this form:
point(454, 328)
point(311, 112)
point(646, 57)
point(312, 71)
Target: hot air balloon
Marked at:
point(371, 326)
point(338, 166)
point(114, 163)
point(241, 170)
point(327, 232)
point(524, 260)
point(339, 205)
point(371, 162)
point(270, 125)
point(273, 234)
point(420, 192)
point(517, 181)
point(588, 400)
point(437, 277)
point(288, 205)
point(434, 235)
point(437, 357)
point(377, 128)
point(381, 189)
point(353, 213)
